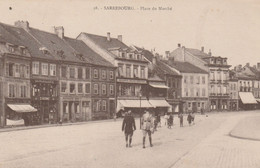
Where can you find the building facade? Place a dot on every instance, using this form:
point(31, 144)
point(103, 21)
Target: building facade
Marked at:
point(217, 68)
point(132, 70)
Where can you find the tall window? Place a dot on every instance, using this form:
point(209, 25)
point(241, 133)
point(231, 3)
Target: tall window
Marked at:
point(203, 92)
point(191, 79)
point(104, 105)
point(72, 72)
point(95, 73)
point(104, 90)
point(128, 71)
point(198, 92)
point(135, 71)
point(186, 92)
point(63, 87)
point(212, 75)
point(11, 90)
point(120, 70)
point(9, 69)
point(87, 88)
point(111, 89)
point(198, 80)
point(18, 70)
point(142, 73)
point(27, 71)
point(63, 71)
point(104, 76)
point(52, 69)
point(185, 79)
point(76, 105)
point(72, 88)
point(23, 91)
point(224, 90)
point(87, 73)
point(79, 73)
point(218, 75)
point(95, 88)
point(111, 75)
point(192, 92)
point(44, 69)
point(80, 88)
point(203, 80)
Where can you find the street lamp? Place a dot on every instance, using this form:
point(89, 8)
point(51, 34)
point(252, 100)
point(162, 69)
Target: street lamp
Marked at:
point(140, 110)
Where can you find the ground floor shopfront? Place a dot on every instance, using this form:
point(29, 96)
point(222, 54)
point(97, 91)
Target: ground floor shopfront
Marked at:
point(233, 104)
point(220, 103)
point(80, 108)
point(247, 101)
point(195, 105)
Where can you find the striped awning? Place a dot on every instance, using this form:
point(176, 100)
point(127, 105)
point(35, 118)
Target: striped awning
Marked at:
point(247, 98)
point(22, 108)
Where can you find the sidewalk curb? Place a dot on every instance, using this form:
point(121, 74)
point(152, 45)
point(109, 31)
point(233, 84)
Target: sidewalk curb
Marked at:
point(241, 137)
point(54, 125)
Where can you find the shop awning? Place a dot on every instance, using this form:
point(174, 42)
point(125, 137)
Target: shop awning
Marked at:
point(159, 103)
point(247, 98)
point(22, 108)
point(121, 104)
point(159, 86)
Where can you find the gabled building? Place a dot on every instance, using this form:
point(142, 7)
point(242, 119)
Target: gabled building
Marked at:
point(217, 68)
point(76, 84)
point(132, 69)
point(194, 86)
point(15, 61)
point(164, 83)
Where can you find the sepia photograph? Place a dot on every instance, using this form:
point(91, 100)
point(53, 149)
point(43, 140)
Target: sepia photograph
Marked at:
point(130, 84)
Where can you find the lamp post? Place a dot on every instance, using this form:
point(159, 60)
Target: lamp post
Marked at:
point(140, 110)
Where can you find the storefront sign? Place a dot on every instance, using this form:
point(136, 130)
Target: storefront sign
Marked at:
point(132, 81)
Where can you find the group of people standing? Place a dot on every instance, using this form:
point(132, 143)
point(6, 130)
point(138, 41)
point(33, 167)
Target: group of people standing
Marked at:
point(149, 124)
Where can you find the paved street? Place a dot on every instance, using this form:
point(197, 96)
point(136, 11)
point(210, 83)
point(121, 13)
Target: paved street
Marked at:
point(101, 144)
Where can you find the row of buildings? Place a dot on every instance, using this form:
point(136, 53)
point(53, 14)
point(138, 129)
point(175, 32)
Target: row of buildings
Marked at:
point(46, 77)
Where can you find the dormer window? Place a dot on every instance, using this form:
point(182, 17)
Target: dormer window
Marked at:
point(44, 50)
point(138, 56)
point(10, 48)
point(22, 50)
point(79, 56)
point(123, 55)
point(130, 56)
point(60, 53)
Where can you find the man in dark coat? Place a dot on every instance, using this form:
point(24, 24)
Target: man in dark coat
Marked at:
point(128, 127)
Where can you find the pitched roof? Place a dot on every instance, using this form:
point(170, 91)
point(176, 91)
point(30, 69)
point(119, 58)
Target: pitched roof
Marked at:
point(104, 43)
point(19, 36)
point(197, 52)
point(166, 69)
point(147, 54)
point(185, 67)
point(89, 55)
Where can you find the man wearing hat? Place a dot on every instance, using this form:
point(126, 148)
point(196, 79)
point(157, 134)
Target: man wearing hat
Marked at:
point(147, 126)
point(128, 127)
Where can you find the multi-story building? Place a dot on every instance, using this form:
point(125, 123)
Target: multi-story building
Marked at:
point(194, 86)
point(83, 81)
point(132, 71)
point(233, 91)
point(15, 61)
point(170, 77)
point(217, 68)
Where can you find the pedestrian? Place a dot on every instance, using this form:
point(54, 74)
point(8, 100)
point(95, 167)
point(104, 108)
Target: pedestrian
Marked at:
point(181, 119)
point(170, 121)
point(166, 117)
point(147, 126)
point(193, 117)
point(128, 127)
point(159, 120)
point(155, 123)
point(189, 118)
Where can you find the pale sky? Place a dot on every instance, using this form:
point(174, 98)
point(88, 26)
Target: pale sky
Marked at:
point(230, 28)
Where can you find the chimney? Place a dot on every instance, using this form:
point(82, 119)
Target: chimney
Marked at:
point(108, 36)
point(59, 31)
point(247, 64)
point(167, 54)
point(179, 45)
point(210, 52)
point(120, 38)
point(22, 24)
point(239, 67)
point(202, 49)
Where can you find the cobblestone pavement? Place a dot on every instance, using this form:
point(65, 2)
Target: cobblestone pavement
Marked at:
point(101, 144)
